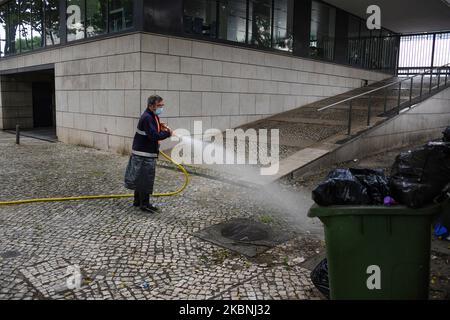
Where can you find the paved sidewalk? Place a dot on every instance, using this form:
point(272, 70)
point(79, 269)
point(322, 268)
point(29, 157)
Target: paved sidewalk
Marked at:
point(125, 254)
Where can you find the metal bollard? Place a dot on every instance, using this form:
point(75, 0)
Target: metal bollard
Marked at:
point(17, 134)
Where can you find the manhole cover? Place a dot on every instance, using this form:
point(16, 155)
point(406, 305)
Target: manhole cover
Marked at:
point(244, 236)
point(244, 232)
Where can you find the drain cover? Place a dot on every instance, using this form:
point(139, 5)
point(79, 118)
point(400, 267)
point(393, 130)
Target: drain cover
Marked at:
point(244, 232)
point(244, 236)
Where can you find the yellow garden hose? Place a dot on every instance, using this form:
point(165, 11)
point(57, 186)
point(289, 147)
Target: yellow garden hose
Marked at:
point(110, 196)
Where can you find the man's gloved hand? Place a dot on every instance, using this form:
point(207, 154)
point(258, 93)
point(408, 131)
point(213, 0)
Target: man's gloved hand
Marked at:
point(165, 127)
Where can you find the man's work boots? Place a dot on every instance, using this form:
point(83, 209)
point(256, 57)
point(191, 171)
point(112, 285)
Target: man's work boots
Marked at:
point(149, 208)
point(142, 200)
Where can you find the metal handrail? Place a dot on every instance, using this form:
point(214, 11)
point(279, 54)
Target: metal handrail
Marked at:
point(399, 102)
point(385, 86)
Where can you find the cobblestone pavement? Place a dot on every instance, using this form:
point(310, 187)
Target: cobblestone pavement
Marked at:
point(122, 253)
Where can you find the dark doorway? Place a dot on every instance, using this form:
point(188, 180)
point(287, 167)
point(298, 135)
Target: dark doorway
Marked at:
point(43, 106)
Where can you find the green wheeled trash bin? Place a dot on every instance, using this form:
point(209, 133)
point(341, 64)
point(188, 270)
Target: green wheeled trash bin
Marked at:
point(377, 252)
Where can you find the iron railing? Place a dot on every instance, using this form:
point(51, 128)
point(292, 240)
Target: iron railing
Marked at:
point(375, 53)
point(420, 52)
point(438, 80)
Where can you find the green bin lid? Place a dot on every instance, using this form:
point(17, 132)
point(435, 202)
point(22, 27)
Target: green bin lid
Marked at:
point(320, 211)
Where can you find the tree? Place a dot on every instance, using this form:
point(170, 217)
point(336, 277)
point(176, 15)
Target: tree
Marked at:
point(52, 21)
point(261, 32)
point(261, 23)
point(97, 12)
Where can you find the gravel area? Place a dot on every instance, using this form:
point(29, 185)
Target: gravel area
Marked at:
point(300, 131)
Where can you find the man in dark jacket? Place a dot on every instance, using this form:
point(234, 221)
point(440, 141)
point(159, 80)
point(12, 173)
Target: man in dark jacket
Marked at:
point(140, 172)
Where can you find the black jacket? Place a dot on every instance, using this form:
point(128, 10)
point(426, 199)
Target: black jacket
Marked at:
point(148, 134)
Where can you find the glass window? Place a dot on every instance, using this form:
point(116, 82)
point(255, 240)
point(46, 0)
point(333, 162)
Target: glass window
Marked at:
point(3, 29)
point(353, 27)
point(233, 20)
point(365, 33)
point(323, 23)
point(260, 24)
point(26, 39)
point(376, 33)
point(251, 21)
point(282, 24)
point(354, 42)
point(375, 50)
point(37, 23)
point(371, 46)
point(52, 22)
point(96, 17)
point(75, 19)
point(386, 33)
point(200, 17)
point(14, 34)
point(120, 15)
point(388, 56)
point(365, 44)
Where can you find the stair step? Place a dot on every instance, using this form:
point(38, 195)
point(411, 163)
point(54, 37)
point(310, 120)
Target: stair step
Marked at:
point(306, 120)
point(344, 107)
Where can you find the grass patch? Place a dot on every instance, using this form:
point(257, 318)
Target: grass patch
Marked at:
point(286, 263)
point(266, 219)
point(220, 256)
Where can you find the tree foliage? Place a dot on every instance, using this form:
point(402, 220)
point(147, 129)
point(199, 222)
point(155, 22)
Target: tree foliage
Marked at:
point(23, 24)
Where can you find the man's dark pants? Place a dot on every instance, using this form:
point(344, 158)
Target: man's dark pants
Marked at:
point(141, 199)
point(140, 177)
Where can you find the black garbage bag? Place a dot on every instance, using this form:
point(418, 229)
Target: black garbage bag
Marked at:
point(444, 200)
point(444, 196)
point(352, 187)
point(319, 277)
point(376, 183)
point(446, 135)
point(341, 187)
point(420, 175)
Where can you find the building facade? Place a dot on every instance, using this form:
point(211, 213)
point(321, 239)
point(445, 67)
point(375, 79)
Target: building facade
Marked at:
point(86, 67)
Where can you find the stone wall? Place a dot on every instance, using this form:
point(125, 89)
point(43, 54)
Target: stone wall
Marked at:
point(16, 103)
